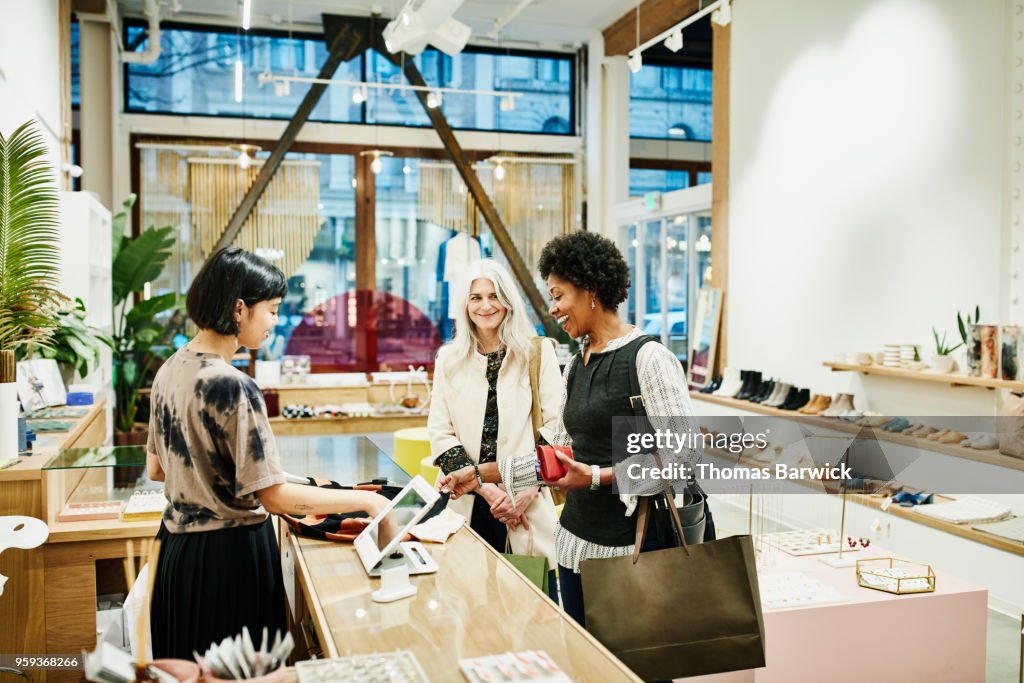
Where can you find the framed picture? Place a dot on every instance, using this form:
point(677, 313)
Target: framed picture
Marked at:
point(704, 344)
point(40, 384)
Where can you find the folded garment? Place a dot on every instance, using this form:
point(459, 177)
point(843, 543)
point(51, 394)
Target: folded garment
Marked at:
point(967, 510)
point(437, 529)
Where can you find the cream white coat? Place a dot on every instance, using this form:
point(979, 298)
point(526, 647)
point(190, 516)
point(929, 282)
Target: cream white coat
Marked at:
point(456, 417)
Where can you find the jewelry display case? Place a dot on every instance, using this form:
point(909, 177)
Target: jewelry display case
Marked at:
point(98, 484)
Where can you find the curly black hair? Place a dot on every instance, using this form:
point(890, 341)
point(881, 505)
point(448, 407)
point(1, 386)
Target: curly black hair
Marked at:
point(589, 261)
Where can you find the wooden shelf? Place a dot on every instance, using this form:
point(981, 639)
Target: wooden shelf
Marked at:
point(873, 501)
point(991, 457)
point(921, 376)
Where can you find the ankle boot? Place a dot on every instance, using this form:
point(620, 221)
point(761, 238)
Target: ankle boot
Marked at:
point(812, 404)
point(763, 391)
point(733, 383)
point(713, 386)
point(758, 390)
point(823, 403)
point(791, 398)
point(753, 382)
point(803, 397)
point(778, 396)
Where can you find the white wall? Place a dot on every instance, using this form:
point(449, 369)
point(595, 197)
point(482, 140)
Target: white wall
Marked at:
point(866, 185)
point(30, 69)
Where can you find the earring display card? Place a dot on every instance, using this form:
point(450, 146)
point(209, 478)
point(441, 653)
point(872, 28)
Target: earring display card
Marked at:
point(809, 542)
point(793, 589)
point(384, 667)
point(145, 506)
point(84, 512)
point(532, 665)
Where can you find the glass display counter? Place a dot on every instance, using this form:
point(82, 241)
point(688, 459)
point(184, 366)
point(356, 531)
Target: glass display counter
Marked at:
point(93, 484)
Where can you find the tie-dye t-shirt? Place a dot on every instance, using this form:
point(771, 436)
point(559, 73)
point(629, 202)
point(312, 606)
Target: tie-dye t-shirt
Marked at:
point(208, 426)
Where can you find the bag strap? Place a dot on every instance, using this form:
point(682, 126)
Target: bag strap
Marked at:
point(636, 402)
point(535, 410)
point(529, 543)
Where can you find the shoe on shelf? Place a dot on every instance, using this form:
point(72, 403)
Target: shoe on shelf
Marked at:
point(912, 428)
point(937, 435)
point(750, 386)
point(823, 403)
point(712, 386)
point(766, 390)
point(813, 405)
point(779, 396)
point(897, 425)
point(924, 430)
point(800, 399)
point(853, 415)
point(952, 438)
point(842, 403)
point(985, 443)
point(972, 438)
point(731, 383)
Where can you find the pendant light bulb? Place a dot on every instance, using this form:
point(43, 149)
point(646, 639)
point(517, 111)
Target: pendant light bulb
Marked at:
point(499, 171)
point(434, 99)
point(360, 94)
point(238, 80)
point(246, 14)
point(376, 165)
point(244, 161)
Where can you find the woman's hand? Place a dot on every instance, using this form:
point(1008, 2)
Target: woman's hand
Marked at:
point(458, 483)
point(578, 476)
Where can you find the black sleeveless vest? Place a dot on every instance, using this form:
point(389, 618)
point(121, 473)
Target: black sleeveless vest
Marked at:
point(595, 393)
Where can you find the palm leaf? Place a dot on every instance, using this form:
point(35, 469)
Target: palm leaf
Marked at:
point(29, 255)
point(141, 260)
point(117, 224)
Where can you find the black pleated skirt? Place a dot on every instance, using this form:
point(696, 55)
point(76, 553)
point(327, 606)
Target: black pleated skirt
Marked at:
point(209, 584)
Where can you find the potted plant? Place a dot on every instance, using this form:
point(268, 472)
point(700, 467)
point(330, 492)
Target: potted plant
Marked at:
point(137, 330)
point(941, 362)
point(74, 344)
point(29, 263)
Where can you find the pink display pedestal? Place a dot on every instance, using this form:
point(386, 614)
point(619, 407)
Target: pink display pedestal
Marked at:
point(936, 636)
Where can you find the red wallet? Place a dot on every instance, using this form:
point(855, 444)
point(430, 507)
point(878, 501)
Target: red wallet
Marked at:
point(551, 468)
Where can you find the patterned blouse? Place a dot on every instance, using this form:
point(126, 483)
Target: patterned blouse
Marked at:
point(664, 388)
point(456, 458)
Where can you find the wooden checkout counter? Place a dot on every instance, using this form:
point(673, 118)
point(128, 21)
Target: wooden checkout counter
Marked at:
point(477, 603)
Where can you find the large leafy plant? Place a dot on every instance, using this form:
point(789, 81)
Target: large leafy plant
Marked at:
point(137, 328)
point(74, 342)
point(29, 238)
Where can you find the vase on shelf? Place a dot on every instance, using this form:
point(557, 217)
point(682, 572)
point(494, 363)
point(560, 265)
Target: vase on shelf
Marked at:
point(942, 365)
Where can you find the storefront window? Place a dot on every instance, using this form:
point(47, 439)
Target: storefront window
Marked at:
point(195, 74)
point(644, 180)
point(670, 102)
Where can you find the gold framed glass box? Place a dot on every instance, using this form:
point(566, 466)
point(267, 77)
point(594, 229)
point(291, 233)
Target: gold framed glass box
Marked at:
point(892, 575)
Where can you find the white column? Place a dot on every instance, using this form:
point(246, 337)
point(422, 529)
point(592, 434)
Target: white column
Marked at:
point(607, 138)
point(97, 109)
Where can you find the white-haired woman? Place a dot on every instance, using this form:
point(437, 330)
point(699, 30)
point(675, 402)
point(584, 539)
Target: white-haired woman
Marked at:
point(480, 409)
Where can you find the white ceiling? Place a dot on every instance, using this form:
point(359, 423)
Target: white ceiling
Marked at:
point(545, 23)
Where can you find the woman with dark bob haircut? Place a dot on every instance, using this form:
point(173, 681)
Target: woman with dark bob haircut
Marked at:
point(210, 441)
point(587, 279)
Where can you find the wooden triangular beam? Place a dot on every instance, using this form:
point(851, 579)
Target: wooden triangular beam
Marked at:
point(346, 38)
point(476, 189)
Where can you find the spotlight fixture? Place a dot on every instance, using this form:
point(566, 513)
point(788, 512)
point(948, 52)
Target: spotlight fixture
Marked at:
point(636, 61)
point(73, 170)
point(675, 41)
point(434, 99)
point(432, 22)
point(723, 15)
point(246, 14)
point(360, 94)
point(508, 103)
point(376, 165)
point(499, 170)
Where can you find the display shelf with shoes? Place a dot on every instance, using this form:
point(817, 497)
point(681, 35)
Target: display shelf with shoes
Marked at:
point(952, 380)
point(991, 455)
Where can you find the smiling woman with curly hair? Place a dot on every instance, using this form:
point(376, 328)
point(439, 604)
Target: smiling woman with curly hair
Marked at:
point(587, 279)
